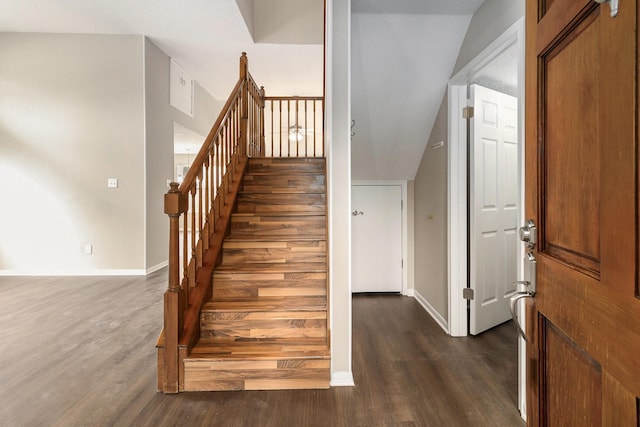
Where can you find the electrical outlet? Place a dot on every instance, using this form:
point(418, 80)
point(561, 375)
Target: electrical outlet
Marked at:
point(112, 183)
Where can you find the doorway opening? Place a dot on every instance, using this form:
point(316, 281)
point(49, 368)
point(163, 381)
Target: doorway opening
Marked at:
point(501, 67)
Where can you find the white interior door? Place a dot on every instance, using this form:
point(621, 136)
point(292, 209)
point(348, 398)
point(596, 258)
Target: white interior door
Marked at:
point(376, 238)
point(493, 206)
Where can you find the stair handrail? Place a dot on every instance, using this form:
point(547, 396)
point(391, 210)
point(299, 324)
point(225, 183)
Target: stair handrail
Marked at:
point(199, 211)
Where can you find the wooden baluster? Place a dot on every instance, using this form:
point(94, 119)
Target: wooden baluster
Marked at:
point(205, 212)
point(244, 96)
point(323, 139)
point(305, 128)
point(315, 128)
point(221, 161)
point(199, 243)
point(263, 149)
point(217, 173)
point(273, 154)
point(280, 126)
point(192, 211)
point(212, 188)
point(297, 134)
point(174, 297)
point(288, 128)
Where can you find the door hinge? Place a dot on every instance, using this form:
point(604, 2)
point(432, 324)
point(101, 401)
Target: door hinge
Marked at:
point(467, 112)
point(467, 293)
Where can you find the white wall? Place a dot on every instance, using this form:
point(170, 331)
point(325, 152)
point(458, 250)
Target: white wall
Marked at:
point(74, 111)
point(71, 116)
point(159, 145)
point(287, 21)
point(492, 19)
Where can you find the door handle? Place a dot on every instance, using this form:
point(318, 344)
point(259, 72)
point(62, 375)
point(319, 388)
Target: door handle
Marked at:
point(613, 4)
point(524, 289)
point(512, 306)
point(356, 213)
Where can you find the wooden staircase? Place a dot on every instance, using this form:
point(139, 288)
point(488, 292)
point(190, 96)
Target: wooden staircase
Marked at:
point(266, 324)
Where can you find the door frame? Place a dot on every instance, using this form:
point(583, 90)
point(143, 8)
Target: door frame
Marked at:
point(457, 244)
point(403, 185)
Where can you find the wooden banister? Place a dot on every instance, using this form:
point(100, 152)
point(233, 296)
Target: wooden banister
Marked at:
point(199, 210)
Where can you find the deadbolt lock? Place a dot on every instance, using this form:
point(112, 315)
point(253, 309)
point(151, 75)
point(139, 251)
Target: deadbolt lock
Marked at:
point(529, 234)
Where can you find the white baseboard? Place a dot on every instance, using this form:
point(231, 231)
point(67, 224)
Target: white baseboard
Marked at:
point(102, 272)
point(157, 267)
point(409, 292)
point(131, 272)
point(342, 379)
point(432, 312)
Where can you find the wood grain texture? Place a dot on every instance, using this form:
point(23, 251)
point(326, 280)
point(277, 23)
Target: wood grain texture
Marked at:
point(248, 308)
point(95, 364)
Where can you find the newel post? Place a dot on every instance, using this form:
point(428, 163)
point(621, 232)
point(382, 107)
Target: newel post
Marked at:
point(262, 141)
point(244, 107)
point(175, 204)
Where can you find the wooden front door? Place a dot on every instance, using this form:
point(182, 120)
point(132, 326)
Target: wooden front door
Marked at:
point(582, 191)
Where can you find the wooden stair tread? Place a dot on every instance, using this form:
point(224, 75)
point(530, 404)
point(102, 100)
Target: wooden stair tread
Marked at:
point(293, 267)
point(279, 303)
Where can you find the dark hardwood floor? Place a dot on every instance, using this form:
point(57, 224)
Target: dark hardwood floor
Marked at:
point(79, 351)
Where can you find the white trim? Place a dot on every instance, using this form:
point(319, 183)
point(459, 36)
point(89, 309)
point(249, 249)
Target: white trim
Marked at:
point(342, 379)
point(144, 150)
point(457, 208)
point(338, 155)
point(157, 267)
point(405, 219)
point(114, 272)
point(457, 180)
point(441, 321)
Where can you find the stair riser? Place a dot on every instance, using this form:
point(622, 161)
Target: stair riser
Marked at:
point(256, 375)
point(286, 166)
point(268, 288)
point(280, 184)
point(273, 255)
point(261, 226)
point(275, 203)
point(264, 325)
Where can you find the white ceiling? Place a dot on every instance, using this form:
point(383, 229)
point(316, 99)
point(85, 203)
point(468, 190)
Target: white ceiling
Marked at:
point(403, 53)
point(423, 7)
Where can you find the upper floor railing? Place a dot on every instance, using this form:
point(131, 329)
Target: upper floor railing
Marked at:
point(200, 208)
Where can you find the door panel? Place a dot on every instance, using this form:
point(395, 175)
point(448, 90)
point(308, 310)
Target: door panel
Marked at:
point(376, 238)
point(569, 367)
point(582, 191)
point(493, 205)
